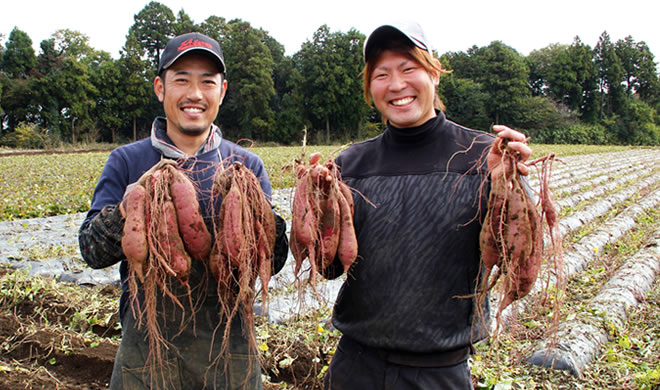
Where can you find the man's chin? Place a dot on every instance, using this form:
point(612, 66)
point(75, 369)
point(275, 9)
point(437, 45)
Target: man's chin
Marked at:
point(194, 131)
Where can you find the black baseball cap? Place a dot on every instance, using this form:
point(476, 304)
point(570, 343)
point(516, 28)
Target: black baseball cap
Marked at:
point(186, 43)
point(384, 34)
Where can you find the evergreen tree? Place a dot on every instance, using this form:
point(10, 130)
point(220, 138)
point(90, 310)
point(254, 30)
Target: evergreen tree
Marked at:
point(18, 58)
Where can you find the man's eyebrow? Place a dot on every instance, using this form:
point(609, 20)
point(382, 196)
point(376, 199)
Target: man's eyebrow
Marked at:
point(402, 63)
point(203, 74)
point(210, 74)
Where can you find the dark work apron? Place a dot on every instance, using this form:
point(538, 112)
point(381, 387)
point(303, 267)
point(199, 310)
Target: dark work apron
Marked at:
point(190, 363)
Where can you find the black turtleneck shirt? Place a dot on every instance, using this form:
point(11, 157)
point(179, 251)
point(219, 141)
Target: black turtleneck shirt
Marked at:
point(418, 237)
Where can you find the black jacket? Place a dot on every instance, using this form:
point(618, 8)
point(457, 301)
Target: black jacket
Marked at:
point(419, 241)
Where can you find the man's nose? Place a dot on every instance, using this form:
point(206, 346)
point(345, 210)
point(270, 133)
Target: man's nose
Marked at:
point(195, 91)
point(397, 82)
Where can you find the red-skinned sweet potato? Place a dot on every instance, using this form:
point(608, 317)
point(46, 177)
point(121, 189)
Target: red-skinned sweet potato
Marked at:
point(330, 227)
point(195, 234)
point(348, 246)
point(179, 260)
point(134, 237)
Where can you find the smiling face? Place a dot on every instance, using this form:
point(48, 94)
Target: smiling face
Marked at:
point(191, 91)
point(402, 89)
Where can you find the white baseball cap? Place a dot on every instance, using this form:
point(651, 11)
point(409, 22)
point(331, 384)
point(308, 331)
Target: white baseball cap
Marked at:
point(388, 32)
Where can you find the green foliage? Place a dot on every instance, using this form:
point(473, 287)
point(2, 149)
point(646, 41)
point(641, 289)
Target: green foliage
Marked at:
point(73, 44)
point(44, 185)
point(134, 86)
point(246, 111)
point(539, 112)
point(84, 307)
point(372, 130)
point(18, 58)
point(330, 66)
point(466, 101)
point(638, 124)
point(18, 101)
point(79, 94)
point(580, 134)
point(30, 136)
point(504, 74)
point(154, 26)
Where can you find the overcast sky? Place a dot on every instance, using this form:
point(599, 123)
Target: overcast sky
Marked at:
point(450, 25)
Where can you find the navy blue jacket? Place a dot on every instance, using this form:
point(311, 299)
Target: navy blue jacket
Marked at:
point(100, 233)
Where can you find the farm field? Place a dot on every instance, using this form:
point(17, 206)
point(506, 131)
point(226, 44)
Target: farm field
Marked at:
point(62, 335)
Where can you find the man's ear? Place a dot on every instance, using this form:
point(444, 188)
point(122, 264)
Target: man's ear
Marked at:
point(224, 90)
point(159, 88)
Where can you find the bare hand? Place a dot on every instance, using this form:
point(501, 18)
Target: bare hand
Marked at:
point(516, 141)
point(319, 172)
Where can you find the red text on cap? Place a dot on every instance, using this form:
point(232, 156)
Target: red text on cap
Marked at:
point(193, 43)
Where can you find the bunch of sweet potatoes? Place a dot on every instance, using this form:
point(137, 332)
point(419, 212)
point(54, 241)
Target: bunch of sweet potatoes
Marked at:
point(164, 228)
point(163, 231)
point(245, 234)
point(322, 218)
point(511, 238)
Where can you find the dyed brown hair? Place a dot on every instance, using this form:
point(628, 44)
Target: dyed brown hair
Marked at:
point(423, 57)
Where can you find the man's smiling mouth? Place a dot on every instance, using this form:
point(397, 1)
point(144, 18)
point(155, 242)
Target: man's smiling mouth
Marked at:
point(403, 101)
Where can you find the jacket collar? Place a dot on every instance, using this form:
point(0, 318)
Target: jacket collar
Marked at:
point(412, 135)
point(161, 142)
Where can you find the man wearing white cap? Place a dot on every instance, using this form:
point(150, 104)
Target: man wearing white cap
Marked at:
point(191, 84)
point(403, 323)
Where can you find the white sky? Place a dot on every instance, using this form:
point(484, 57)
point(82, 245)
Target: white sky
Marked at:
point(450, 25)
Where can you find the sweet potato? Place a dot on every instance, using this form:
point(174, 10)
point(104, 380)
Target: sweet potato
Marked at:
point(348, 246)
point(303, 218)
point(134, 236)
point(178, 258)
point(330, 224)
point(195, 234)
point(245, 234)
point(314, 158)
point(348, 195)
point(233, 223)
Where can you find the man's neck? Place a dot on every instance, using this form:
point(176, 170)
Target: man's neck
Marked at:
point(187, 143)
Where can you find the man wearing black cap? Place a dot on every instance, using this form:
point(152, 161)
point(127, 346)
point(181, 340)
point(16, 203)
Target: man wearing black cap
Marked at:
point(191, 85)
point(417, 221)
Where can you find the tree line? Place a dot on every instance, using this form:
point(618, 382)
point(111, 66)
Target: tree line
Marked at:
point(70, 93)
